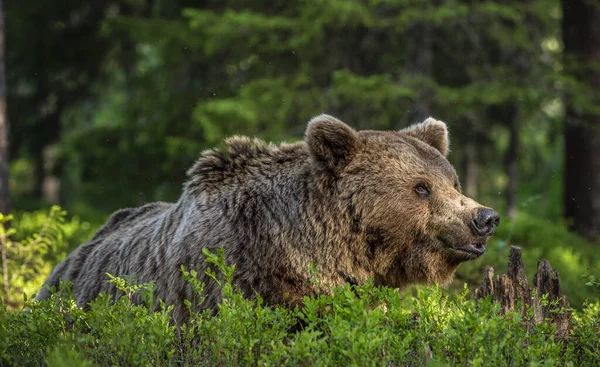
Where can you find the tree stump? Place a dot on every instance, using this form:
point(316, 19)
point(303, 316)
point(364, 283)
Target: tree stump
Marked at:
point(509, 289)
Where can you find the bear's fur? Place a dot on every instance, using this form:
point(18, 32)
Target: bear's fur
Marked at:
point(356, 205)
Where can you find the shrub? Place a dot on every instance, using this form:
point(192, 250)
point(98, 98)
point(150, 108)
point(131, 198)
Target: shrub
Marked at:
point(366, 325)
point(36, 242)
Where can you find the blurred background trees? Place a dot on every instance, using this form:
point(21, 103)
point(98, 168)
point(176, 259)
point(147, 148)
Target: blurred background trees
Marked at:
point(111, 101)
point(581, 35)
point(4, 191)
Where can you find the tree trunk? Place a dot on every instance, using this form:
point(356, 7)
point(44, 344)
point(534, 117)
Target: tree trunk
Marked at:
point(50, 183)
point(471, 172)
point(511, 288)
point(512, 168)
point(4, 193)
point(581, 36)
point(421, 67)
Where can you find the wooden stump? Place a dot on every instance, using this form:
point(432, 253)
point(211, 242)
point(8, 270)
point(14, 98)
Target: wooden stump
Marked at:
point(509, 289)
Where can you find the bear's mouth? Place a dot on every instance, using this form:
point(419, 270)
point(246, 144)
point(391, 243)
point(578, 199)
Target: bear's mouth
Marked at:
point(477, 248)
point(473, 248)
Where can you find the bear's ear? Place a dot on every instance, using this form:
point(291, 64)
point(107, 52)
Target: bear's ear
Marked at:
point(432, 132)
point(331, 142)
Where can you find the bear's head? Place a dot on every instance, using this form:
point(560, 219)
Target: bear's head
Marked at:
point(403, 197)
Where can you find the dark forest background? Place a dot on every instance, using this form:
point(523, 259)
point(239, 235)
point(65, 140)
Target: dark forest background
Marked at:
point(108, 102)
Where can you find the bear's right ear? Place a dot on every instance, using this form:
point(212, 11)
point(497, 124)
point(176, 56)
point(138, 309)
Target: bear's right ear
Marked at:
point(331, 142)
point(432, 132)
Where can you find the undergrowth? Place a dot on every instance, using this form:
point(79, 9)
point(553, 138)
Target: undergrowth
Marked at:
point(359, 326)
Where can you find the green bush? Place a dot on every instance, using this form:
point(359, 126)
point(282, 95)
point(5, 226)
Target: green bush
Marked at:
point(34, 244)
point(362, 326)
point(69, 231)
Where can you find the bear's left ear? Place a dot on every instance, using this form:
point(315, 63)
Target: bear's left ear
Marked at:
point(432, 132)
point(331, 142)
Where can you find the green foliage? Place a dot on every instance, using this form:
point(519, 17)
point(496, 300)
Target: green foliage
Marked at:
point(121, 333)
point(178, 77)
point(366, 325)
point(110, 333)
point(244, 332)
point(586, 328)
point(593, 281)
point(34, 244)
point(63, 233)
point(26, 336)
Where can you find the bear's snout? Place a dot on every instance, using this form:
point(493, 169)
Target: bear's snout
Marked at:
point(485, 222)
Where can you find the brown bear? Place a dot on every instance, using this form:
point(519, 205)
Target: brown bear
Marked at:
point(385, 205)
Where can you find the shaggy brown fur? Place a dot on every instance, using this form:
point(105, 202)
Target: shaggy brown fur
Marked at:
point(357, 205)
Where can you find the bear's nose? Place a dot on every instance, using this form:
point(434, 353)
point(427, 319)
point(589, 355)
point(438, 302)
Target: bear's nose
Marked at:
point(486, 221)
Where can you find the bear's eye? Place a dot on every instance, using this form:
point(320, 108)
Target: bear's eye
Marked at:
point(422, 190)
